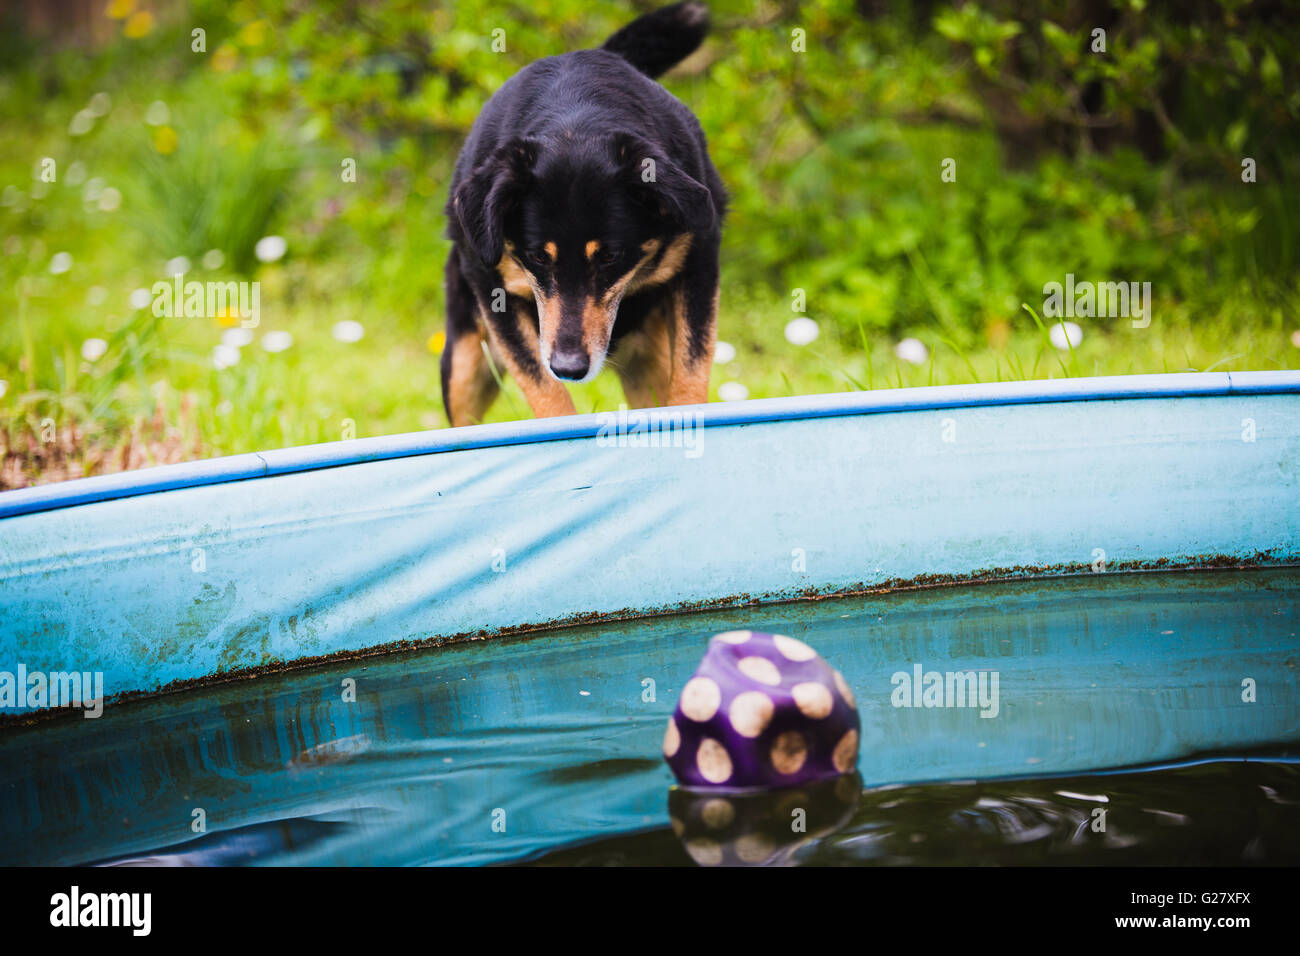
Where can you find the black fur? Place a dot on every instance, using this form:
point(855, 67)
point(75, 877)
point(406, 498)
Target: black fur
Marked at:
point(660, 40)
point(559, 155)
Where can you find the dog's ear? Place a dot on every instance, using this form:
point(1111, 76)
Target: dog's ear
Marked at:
point(656, 181)
point(490, 192)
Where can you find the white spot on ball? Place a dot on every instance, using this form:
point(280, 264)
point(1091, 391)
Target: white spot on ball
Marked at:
point(701, 698)
point(672, 738)
point(713, 760)
point(750, 713)
point(760, 669)
point(813, 700)
point(793, 649)
point(735, 637)
point(789, 752)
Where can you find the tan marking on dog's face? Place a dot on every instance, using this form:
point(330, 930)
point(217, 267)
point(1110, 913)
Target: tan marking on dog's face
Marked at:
point(597, 323)
point(551, 250)
point(667, 266)
point(548, 324)
point(598, 315)
point(521, 282)
point(592, 248)
point(620, 286)
point(545, 395)
point(548, 320)
point(513, 276)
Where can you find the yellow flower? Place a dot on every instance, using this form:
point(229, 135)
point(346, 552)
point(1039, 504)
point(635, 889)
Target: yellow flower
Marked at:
point(165, 140)
point(138, 25)
point(120, 9)
point(228, 319)
point(437, 341)
point(223, 61)
point(253, 34)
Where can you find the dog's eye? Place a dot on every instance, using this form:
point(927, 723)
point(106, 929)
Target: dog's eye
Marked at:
point(608, 256)
point(537, 257)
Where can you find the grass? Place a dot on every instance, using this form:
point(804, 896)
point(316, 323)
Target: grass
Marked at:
point(111, 412)
point(960, 269)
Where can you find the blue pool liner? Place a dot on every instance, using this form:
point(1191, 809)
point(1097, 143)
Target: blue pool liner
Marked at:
point(224, 567)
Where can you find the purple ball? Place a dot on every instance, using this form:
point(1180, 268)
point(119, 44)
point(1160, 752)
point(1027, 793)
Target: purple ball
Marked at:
point(762, 711)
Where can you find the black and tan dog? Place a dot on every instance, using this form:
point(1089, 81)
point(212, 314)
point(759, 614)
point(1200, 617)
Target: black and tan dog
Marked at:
point(586, 218)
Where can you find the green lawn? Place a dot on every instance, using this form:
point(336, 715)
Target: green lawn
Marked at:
point(858, 218)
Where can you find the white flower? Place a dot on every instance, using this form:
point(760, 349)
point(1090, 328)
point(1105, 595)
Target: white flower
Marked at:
point(157, 113)
point(109, 199)
point(224, 356)
point(913, 351)
point(141, 298)
point(237, 337)
point(270, 248)
point(724, 352)
point(732, 392)
point(1065, 335)
point(801, 331)
point(99, 104)
point(178, 266)
point(1295, 338)
point(92, 350)
point(75, 174)
point(61, 263)
point(82, 123)
point(214, 259)
point(4, 387)
point(348, 331)
point(96, 295)
point(94, 188)
point(276, 341)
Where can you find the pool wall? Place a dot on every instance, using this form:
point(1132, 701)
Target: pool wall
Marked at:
point(220, 567)
point(1096, 671)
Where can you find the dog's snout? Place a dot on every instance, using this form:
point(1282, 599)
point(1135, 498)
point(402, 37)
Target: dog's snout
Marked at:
point(571, 364)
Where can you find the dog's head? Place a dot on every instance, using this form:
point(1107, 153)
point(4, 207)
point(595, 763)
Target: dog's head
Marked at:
point(580, 222)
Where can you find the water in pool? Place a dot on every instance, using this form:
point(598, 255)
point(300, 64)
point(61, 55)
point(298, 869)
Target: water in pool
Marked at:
point(1150, 718)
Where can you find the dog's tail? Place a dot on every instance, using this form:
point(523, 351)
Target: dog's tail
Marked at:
point(660, 40)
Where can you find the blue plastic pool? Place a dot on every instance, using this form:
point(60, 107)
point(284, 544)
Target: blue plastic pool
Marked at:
point(271, 588)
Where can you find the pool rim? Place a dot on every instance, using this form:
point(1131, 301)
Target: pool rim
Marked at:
point(251, 465)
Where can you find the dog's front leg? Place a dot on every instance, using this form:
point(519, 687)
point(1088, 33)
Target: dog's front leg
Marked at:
point(694, 327)
point(514, 333)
